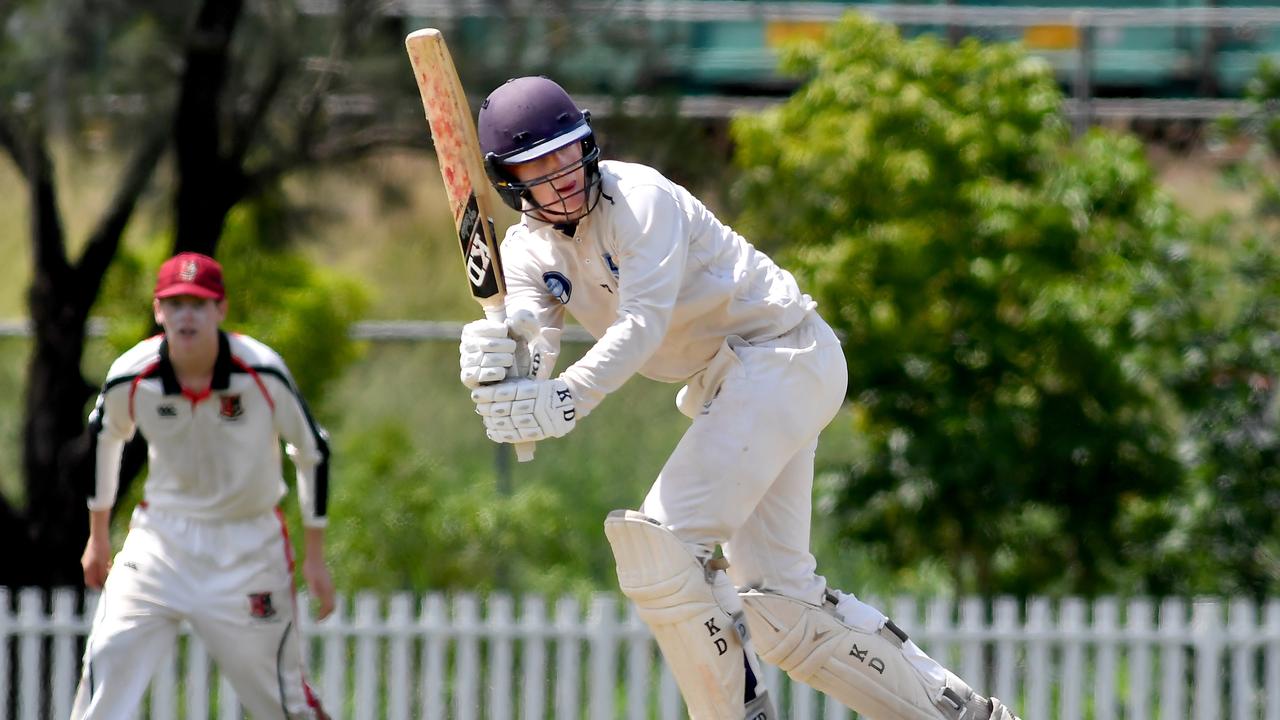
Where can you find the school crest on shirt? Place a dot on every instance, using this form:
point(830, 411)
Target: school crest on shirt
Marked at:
point(558, 285)
point(231, 408)
point(261, 607)
point(613, 266)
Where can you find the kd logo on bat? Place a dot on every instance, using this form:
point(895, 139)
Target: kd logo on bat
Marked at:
point(475, 251)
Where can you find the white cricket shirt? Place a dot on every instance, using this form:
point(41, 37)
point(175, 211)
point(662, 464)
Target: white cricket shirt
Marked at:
point(654, 276)
point(214, 457)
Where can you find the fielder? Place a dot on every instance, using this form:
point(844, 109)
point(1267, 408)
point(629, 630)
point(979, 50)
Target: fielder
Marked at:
point(208, 544)
point(670, 292)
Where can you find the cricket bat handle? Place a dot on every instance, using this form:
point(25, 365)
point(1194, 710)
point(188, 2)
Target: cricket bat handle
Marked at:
point(495, 309)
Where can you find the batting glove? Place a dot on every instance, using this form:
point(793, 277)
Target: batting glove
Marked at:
point(516, 411)
point(485, 352)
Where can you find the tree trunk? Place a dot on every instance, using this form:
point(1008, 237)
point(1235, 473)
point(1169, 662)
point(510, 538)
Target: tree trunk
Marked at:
point(45, 540)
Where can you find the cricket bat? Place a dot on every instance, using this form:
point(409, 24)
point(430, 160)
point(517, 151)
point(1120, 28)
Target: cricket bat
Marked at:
point(458, 151)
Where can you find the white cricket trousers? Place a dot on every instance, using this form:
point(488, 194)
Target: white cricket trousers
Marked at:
point(232, 582)
point(742, 475)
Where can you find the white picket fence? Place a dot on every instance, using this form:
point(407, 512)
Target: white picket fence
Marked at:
point(467, 658)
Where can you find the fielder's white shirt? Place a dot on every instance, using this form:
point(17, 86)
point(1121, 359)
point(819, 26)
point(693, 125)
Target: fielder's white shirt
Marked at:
point(654, 276)
point(214, 457)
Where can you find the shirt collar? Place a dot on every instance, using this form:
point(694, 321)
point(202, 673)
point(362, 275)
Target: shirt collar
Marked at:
point(221, 367)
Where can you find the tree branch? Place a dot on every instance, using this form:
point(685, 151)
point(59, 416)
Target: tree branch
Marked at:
point(105, 239)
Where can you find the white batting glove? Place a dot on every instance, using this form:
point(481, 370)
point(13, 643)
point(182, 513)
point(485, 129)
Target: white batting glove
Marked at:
point(485, 352)
point(536, 347)
point(517, 411)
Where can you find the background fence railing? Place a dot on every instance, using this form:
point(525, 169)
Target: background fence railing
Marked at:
point(465, 657)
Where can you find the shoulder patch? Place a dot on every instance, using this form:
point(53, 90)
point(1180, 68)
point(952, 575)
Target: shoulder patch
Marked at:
point(558, 285)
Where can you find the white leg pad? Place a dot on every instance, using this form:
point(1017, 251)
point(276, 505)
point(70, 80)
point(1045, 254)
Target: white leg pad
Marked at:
point(696, 617)
point(866, 665)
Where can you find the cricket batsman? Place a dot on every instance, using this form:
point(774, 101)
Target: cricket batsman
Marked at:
point(670, 292)
point(208, 544)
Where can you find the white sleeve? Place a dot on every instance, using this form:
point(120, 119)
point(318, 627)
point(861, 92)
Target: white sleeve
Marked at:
point(652, 232)
point(525, 289)
point(110, 427)
point(307, 445)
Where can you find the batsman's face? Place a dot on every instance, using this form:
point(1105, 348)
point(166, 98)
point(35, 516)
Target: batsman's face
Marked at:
point(189, 321)
point(558, 183)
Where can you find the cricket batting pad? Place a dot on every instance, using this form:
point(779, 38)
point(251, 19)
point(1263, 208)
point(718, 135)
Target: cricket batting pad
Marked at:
point(864, 665)
point(695, 615)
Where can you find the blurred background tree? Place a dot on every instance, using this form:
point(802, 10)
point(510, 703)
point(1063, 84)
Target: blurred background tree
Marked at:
point(1060, 381)
point(239, 96)
point(1004, 291)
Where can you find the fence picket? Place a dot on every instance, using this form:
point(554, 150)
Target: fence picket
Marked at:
point(367, 665)
point(31, 623)
point(7, 629)
point(1138, 620)
point(1006, 628)
point(603, 663)
point(1106, 620)
point(466, 695)
point(333, 687)
point(1072, 624)
point(1272, 670)
point(1038, 673)
point(434, 625)
point(1173, 660)
point(1242, 619)
point(63, 666)
point(973, 664)
point(1206, 632)
point(1074, 661)
point(501, 621)
point(399, 672)
point(534, 657)
point(567, 658)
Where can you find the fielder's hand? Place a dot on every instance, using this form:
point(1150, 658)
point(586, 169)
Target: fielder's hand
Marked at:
point(96, 560)
point(517, 411)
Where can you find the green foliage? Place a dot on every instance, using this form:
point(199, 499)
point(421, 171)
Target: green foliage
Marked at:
point(1220, 316)
point(1260, 132)
point(418, 488)
point(988, 275)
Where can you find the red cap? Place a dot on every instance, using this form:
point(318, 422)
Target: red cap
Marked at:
point(190, 273)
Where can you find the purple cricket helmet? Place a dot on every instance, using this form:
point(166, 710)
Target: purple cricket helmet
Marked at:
point(525, 119)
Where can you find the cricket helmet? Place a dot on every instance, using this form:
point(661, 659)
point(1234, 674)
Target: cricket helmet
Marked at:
point(525, 119)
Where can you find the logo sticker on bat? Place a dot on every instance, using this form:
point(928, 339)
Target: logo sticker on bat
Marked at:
point(481, 272)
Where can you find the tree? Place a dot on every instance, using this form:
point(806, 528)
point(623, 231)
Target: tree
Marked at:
point(990, 277)
point(241, 93)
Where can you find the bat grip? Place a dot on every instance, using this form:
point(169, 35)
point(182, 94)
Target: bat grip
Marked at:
point(524, 450)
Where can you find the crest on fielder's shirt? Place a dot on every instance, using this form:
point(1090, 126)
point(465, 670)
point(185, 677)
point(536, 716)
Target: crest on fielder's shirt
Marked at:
point(231, 409)
point(558, 285)
point(260, 606)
